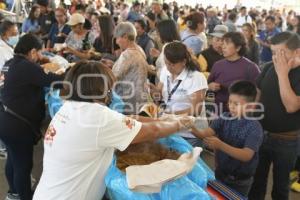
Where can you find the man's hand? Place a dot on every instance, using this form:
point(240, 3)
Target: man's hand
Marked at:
point(281, 65)
point(213, 86)
point(213, 142)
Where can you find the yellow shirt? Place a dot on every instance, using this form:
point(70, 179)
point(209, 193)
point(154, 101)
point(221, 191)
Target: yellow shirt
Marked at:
point(203, 65)
point(2, 6)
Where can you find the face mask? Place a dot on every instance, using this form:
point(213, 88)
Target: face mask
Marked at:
point(12, 41)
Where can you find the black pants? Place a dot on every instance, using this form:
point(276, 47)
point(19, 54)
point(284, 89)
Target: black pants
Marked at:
point(19, 141)
point(282, 154)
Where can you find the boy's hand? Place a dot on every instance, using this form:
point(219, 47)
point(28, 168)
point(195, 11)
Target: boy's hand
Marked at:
point(213, 142)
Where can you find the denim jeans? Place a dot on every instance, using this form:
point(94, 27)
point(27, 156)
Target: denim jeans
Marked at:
point(282, 154)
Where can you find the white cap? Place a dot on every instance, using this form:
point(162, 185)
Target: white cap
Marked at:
point(75, 19)
point(219, 31)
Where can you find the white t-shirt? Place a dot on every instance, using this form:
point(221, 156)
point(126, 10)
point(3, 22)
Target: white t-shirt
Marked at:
point(242, 20)
point(160, 62)
point(6, 53)
point(191, 82)
point(79, 146)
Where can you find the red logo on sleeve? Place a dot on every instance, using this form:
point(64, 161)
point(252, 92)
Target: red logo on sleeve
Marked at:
point(129, 122)
point(50, 134)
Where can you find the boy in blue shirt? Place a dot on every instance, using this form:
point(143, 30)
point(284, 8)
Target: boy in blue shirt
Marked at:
point(236, 138)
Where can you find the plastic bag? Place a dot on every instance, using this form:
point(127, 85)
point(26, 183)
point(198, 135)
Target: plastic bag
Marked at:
point(182, 146)
point(183, 188)
point(61, 61)
point(189, 187)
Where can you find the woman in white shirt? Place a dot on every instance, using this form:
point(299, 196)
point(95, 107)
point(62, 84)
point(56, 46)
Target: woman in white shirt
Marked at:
point(182, 87)
point(8, 39)
point(81, 139)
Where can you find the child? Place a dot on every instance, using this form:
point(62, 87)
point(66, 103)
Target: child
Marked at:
point(236, 139)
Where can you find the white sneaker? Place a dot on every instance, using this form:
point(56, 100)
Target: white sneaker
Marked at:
point(33, 181)
point(3, 154)
point(11, 196)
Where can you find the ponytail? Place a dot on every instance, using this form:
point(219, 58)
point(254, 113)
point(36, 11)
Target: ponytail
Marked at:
point(177, 52)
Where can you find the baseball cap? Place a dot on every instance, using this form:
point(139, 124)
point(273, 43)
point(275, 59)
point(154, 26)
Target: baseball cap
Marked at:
point(75, 19)
point(219, 31)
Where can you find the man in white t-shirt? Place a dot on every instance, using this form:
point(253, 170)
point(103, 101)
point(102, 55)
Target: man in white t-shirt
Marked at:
point(243, 18)
point(81, 139)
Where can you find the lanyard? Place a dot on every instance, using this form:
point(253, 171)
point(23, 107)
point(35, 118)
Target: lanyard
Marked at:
point(170, 93)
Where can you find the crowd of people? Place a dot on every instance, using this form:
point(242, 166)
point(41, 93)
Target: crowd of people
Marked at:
point(227, 80)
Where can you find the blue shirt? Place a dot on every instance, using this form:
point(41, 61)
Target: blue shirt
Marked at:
point(239, 133)
point(133, 16)
point(192, 41)
point(30, 26)
point(265, 36)
point(55, 30)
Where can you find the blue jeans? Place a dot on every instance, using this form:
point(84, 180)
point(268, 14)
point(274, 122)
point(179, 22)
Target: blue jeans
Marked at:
point(283, 154)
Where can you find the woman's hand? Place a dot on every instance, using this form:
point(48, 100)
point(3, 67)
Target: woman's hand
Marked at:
point(186, 122)
point(62, 35)
point(51, 67)
point(151, 70)
point(69, 50)
point(155, 92)
point(213, 86)
point(154, 52)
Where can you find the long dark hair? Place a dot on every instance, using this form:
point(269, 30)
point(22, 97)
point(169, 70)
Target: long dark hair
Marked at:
point(107, 30)
point(176, 52)
point(193, 20)
point(167, 31)
point(91, 87)
point(31, 16)
point(251, 27)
